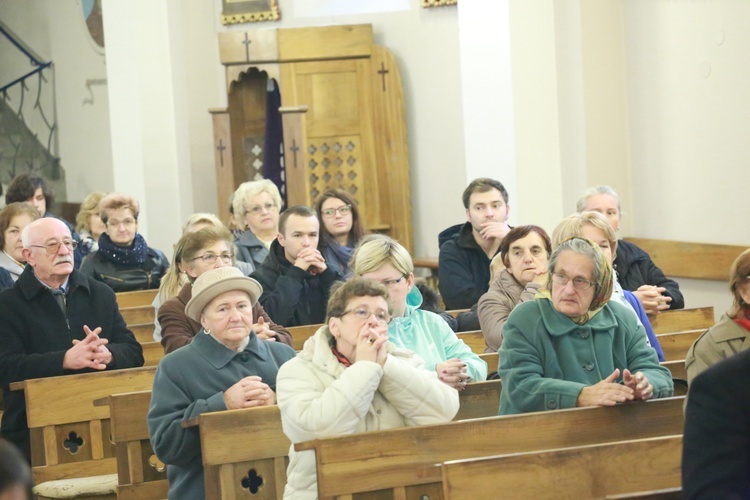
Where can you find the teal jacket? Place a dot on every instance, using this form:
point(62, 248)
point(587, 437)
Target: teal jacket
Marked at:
point(428, 335)
point(546, 359)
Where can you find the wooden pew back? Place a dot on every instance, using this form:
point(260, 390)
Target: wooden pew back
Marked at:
point(70, 435)
point(300, 334)
point(138, 315)
point(402, 460)
point(244, 451)
point(676, 345)
point(592, 471)
point(140, 473)
point(152, 353)
point(135, 299)
point(474, 339)
point(679, 320)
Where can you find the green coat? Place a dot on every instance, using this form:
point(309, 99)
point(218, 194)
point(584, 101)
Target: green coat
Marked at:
point(546, 359)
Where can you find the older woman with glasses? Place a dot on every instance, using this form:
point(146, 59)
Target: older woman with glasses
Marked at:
point(124, 261)
point(341, 229)
point(195, 254)
point(348, 378)
point(256, 210)
point(572, 347)
point(382, 259)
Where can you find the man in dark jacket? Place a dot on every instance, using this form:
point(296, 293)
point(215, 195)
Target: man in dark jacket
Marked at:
point(295, 278)
point(467, 249)
point(55, 321)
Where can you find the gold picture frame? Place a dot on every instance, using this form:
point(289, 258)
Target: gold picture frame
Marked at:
point(438, 3)
point(249, 11)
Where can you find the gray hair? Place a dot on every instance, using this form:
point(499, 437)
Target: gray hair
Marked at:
point(248, 190)
point(583, 200)
point(602, 271)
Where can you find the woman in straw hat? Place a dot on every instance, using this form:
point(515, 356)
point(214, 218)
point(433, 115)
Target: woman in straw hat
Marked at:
point(225, 367)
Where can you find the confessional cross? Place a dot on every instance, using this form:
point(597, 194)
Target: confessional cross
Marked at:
point(382, 72)
point(220, 148)
point(246, 42)
point(294, 150)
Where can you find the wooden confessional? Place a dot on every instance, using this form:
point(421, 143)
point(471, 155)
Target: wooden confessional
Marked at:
point(342, 112)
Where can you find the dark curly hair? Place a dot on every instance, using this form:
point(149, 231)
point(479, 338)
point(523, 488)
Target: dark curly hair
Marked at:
point(23, 187)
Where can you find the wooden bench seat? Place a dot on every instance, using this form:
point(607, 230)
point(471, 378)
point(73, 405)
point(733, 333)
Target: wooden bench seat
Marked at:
point(401, 461)
point(143, 332)
point(69, 434)
point(300, 334)
point(676, 345)
point(591, 471)
point(152, 353)
point(139, 472)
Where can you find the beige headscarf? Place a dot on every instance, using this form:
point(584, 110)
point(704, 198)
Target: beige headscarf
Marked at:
point(602, 275)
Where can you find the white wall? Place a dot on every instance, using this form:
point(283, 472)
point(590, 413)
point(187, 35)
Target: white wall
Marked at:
point(689, 113)
point(56, 31)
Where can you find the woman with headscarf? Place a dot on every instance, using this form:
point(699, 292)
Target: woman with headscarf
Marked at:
point(571, 347)
point(731, 334)
point(594, 226)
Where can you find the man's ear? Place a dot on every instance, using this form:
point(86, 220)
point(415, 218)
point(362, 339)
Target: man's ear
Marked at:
point(26, 252)
point(507, 212)
point(280, 237)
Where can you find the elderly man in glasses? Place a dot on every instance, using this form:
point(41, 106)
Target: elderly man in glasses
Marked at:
point(56, 321)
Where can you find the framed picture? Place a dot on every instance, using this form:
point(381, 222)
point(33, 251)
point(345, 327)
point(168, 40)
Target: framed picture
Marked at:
point(438, 3)
point(249, 11)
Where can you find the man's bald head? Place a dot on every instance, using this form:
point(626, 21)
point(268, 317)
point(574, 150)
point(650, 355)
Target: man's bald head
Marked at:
point(48, 248)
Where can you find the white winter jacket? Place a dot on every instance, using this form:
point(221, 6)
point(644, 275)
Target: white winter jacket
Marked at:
point(319, 397)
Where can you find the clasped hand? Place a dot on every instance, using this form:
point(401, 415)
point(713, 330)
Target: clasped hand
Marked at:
point(248, 393)
point(90, 352)
point(609, 393)
point(453, 372)
point(651, 298)
point(311, 260)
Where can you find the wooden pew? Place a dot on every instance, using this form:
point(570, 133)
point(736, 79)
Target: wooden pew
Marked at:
point(143, 333)
point(676, 345)
point(139, 473)
point(402, 460)
point(678, 258)
point(492, 359)
point(244, 451)
point(135, 299)
point(138, 315)
point(474, 339)
point(69, 435)
point(152, 353)
point(300, 334)
point(678, 320)
point(591, 471)
point(479, 400)
point(236, 442)
point(456, 312)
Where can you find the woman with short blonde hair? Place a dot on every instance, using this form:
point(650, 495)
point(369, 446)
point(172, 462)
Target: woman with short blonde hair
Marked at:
point(256, 210)
point(89, 224)
point(383, 259)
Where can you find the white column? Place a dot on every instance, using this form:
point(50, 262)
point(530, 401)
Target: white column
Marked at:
point(148, 108)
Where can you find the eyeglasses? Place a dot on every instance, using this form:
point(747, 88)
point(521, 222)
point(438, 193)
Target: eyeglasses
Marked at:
point(390, 283)
point(258, 209)
point(210, 258)
point(331, 212)
point(578, 283)
point(54, 247)
point(127, 223)
point(364, 314)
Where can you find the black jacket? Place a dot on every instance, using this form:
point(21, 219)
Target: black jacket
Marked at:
point(291, 296)
point(463, 267)
point(635, 268)
point(121, 278)
point(34, 336)
point(716, 441)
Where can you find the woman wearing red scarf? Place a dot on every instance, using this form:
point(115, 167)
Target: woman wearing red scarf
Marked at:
point(732, 333)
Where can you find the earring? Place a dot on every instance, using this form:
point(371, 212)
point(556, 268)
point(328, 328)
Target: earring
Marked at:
point(207, 331)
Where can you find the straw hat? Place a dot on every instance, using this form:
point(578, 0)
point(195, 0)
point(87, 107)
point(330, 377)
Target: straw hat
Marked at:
point(213, 283)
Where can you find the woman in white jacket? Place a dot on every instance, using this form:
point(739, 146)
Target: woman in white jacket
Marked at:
point(348, 378)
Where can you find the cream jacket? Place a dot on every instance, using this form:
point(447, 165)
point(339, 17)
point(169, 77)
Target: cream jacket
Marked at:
point(319, 397)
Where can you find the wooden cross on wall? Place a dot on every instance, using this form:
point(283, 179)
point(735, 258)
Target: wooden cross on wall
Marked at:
point(220, 148)
point(382, 72)
point(246, 42)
